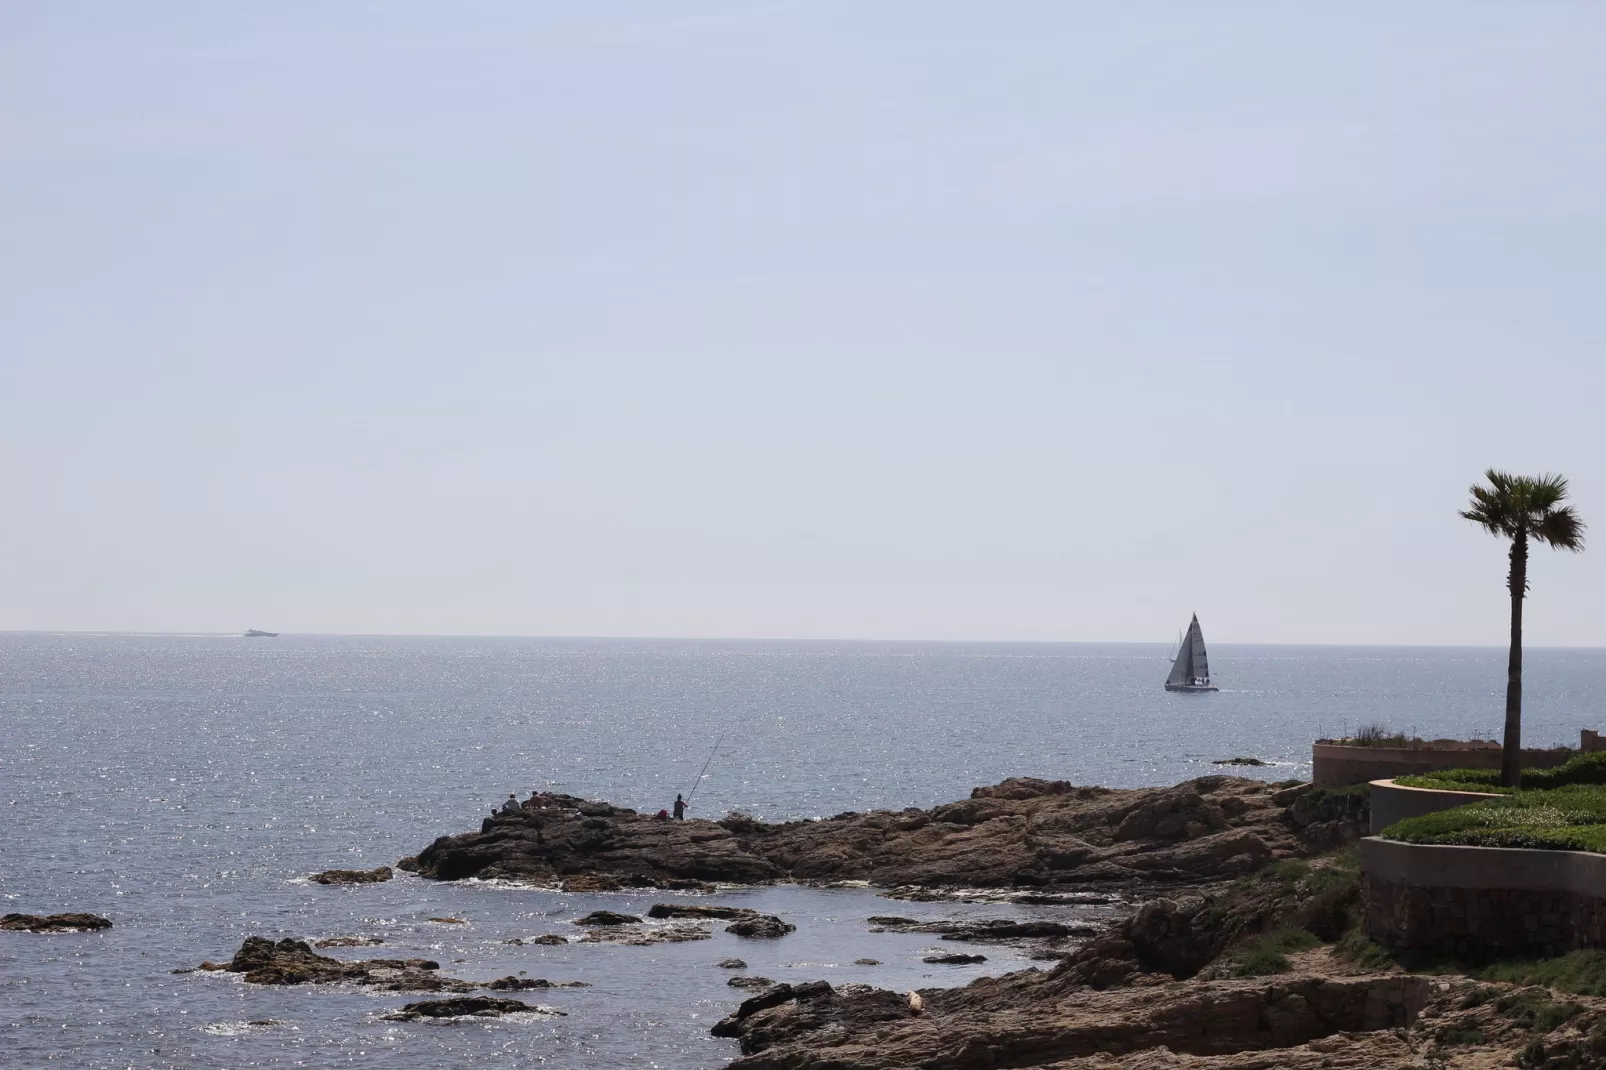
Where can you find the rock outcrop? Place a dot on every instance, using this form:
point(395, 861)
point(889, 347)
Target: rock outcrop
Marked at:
point(294, 962)
point(54, 923)
point(352, 876)
point(1032, 1019)
point(693, 910)
point(1022, 833)
point(760, 927)
point(607, 917)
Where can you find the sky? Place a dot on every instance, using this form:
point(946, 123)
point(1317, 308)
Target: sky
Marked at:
point(1032, 320)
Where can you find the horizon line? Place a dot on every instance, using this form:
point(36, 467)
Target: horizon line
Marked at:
point(767, 639)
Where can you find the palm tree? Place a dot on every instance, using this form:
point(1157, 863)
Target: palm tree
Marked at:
point(1520, 508)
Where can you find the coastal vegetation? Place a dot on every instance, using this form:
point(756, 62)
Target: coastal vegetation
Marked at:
point(1379, 735)
point(1571, 818)
point(1582, 769)
point(1522, 509)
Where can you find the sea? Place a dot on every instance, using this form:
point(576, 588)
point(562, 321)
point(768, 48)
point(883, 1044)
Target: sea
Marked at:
point(185, 786)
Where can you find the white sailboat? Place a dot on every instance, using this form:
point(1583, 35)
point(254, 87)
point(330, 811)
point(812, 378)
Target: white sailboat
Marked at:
point(1191, 670)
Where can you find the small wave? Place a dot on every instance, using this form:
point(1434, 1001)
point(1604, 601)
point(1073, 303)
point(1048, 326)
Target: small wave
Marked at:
point(238, 1029)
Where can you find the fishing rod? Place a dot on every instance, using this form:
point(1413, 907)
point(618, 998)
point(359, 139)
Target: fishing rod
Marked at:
point(699, 781)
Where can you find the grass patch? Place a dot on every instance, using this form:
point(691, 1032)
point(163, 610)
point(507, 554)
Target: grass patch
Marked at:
point(1580, 973)
point(1359, 950)
point(1289, 869)
point(1532, 1008)
point(1567, 818)
point(1269, 954)
point(1454, 1038)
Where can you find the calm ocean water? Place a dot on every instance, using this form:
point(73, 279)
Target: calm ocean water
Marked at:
point(183, 785)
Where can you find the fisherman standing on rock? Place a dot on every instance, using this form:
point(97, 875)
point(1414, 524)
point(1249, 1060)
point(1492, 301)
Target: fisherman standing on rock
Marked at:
point(680, 808)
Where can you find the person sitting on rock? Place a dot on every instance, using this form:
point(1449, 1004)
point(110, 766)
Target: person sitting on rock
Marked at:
point(512, 804)
point(680, 808)
point(534, 801)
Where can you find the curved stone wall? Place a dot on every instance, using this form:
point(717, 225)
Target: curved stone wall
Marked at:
point(1479, 902)
point(1393, 802)
point(1335, 765)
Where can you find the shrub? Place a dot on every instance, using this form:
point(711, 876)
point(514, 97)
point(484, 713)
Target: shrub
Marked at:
point(1359, 950)
point(1269, 954)
point(1378, 735)
point(1532, 1008)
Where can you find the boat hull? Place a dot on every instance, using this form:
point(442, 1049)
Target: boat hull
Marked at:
point(1191, 688)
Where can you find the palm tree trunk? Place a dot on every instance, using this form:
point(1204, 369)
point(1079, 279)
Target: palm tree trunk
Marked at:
point(1517, 582)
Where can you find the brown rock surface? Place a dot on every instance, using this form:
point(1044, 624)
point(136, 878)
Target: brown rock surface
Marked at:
point(1032, 1019)
point(294, 962)
point(760, 927)
point(352, 876)
point(1020, 833)
point(525, 984)
point(471, 1006)
point(54, 923)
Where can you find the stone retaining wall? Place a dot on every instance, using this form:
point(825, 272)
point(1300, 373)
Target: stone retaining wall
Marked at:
point(1482, 902)
point(1393, 802)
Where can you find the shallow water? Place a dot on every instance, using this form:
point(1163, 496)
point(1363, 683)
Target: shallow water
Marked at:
point(184, 786)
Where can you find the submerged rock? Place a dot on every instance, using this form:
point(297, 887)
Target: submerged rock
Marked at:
point(468, 1006)
point(953, 958)
point(348, 941)
point(54, 923)
point(548, 939)
point(352, 876)
point(731, 964)
point(645, 935)
point(525, 984)
point(1239, 761)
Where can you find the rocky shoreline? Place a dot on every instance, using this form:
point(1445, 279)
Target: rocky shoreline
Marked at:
point(1179, 985)
point(1231, 873)
point(1022, 834)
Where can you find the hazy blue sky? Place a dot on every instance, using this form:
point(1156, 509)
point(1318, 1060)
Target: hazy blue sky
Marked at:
point(901, 319)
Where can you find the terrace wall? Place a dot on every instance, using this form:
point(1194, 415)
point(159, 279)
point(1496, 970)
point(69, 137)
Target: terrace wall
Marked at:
point(1334, 765)
point(1393, 802)
point(1482, 902)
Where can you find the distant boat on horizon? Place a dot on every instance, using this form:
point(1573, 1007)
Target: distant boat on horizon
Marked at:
point(252, 633)
point(1191, 669)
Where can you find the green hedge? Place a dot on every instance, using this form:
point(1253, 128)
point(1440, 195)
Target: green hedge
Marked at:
point(1570, 818)
point(1581, 769)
